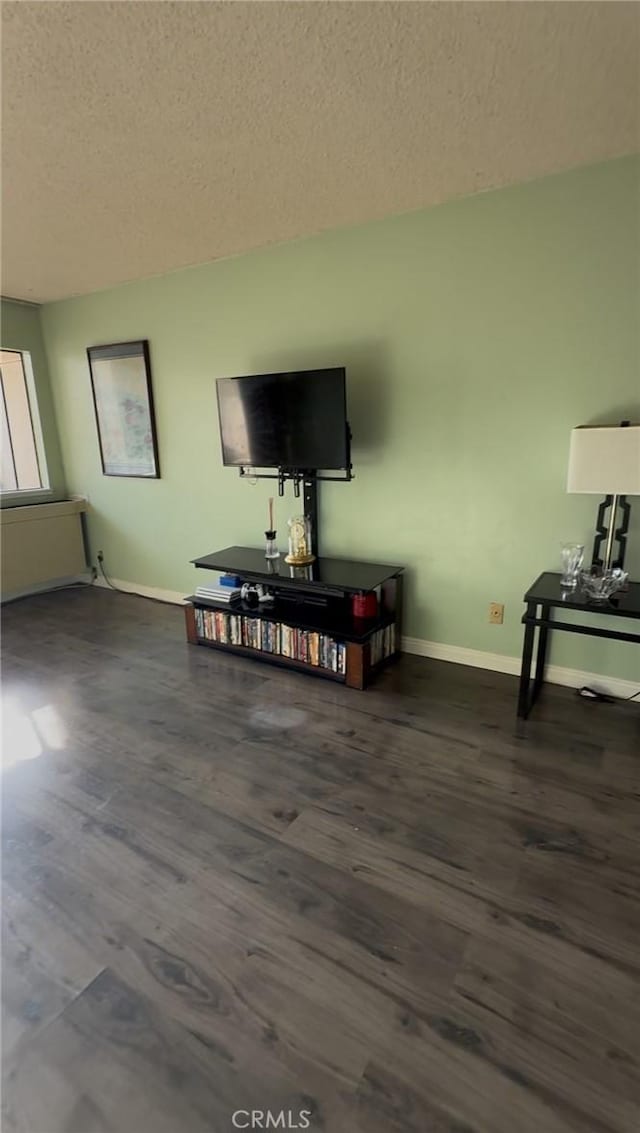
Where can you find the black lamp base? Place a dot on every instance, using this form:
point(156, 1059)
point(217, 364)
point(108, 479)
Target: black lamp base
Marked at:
point(612, 534)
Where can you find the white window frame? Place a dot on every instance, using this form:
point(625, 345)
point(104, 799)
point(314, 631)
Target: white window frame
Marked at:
point(38, 438)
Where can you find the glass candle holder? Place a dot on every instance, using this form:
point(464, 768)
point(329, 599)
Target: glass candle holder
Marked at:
point(271, 550)
point(572, 558)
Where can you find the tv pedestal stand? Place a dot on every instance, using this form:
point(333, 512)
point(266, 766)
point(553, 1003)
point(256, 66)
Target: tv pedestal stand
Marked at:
point(309, 478)
point(309, 625)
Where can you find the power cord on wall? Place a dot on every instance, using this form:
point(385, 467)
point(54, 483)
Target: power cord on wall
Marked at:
point(100, 558)
point(131, 593)
point(49, 590)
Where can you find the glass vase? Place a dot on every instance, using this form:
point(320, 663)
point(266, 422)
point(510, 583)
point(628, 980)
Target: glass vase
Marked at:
point(572, 558)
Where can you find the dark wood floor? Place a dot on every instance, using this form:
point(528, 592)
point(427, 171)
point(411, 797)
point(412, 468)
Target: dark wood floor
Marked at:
point(228, 887)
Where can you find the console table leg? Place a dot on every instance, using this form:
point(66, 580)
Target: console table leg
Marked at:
point(541, 655)
point(525, 668)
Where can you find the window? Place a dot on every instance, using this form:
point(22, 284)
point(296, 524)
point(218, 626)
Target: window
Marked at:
point(23, 464)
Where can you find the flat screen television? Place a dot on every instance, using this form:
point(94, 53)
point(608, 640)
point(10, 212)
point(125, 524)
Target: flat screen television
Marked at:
point(295, 420)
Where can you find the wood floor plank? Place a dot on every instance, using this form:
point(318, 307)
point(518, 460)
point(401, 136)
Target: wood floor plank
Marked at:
point(407, 951)
point(455, 1066)
point(531, 1019)
point(386, 1104)
point(568, 895)
point(197, 969)
point(454, 895)
point(43, 969)
point(585, 993)
point(110, 1034)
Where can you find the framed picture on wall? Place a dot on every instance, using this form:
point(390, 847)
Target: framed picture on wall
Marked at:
point(123, 402)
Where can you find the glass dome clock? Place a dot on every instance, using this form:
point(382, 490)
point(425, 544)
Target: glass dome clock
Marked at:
point(300, 541)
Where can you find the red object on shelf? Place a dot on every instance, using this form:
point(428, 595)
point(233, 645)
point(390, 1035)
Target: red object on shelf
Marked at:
point(365, 605)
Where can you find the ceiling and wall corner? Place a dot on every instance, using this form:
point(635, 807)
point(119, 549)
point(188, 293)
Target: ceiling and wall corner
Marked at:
point(139, 138)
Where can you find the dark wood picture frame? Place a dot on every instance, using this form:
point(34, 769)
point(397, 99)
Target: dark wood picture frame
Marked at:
point(135, 411)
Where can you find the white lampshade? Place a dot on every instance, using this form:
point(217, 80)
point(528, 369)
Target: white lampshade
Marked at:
point(605, 460)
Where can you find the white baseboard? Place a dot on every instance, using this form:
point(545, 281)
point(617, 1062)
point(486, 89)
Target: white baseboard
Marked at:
point(457, 654)
point(50, 584)
point(501, 663)
point(176, 597)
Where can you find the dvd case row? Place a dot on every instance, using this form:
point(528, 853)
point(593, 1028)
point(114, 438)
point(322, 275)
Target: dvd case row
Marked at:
point(383, 644)
point(272, 637)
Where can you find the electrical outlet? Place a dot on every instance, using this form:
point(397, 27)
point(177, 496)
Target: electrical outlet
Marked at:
point(94, 574)
point(100, 557)
point(496, 613)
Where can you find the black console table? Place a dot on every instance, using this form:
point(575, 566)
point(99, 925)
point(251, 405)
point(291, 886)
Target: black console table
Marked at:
point(545, 596)
point(309, 623)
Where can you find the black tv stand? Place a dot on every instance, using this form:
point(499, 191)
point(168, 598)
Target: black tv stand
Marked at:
point(309, 625)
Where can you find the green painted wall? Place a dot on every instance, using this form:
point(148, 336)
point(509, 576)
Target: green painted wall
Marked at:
point(476, 334)
point(21, 330)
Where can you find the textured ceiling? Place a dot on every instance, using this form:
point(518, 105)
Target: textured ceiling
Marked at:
point(143, 137)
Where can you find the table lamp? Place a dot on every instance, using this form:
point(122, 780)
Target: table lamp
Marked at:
point(605, 459)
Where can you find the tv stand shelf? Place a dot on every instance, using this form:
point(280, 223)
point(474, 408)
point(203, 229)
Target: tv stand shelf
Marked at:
point(309, 624)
